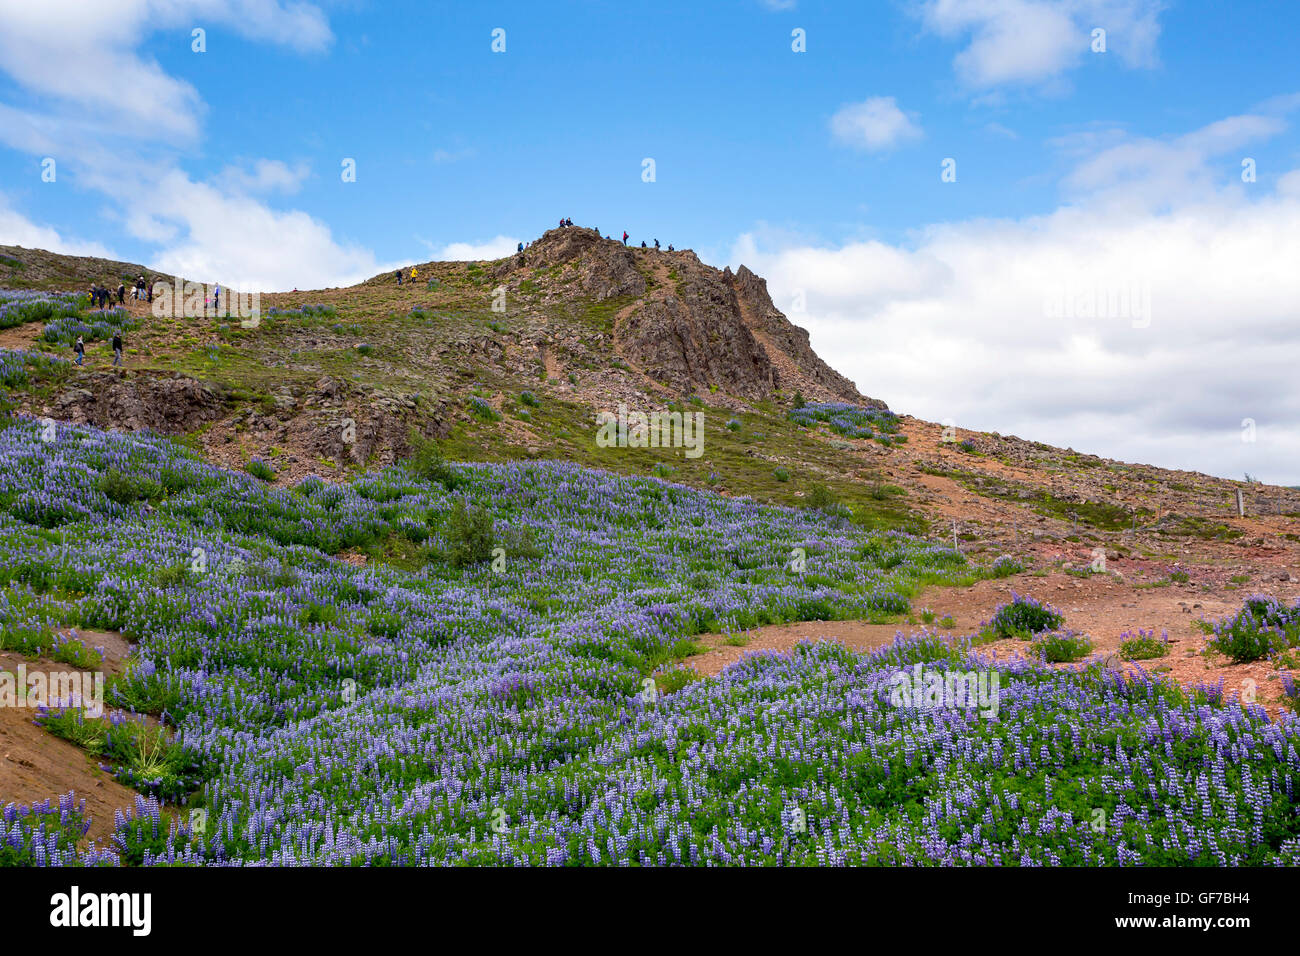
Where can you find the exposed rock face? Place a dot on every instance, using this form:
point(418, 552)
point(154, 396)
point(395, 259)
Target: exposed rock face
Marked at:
point(695, 343)
point(606, 269)
point(776, 331)
point(692, 328)
point(170, 405)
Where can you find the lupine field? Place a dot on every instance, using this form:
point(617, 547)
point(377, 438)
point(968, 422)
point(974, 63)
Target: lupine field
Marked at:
point(506, 683)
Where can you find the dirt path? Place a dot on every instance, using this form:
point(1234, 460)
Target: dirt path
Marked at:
point(1103, 606)
point(36, 765)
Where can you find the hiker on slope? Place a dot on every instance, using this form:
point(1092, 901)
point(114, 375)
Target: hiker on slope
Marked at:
point(117, 348)
point(80, 349)
point(625, 237)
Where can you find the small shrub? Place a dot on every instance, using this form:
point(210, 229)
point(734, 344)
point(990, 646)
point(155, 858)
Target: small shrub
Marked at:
point(470, 535)
point(426, 462)
point(1024, 617)
point(1263, 627)
point(671, 681)
point(781, 474)
point(1006, 566)
point(260, 470)
point(481, 410)
point(821, 497)
point(1143, 646)
point(529, 399)
point(1061, 646)
point(733, 425)
point(128, 489)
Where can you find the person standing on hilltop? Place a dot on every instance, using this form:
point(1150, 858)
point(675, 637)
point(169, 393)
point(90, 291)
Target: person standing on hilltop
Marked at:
point(398, 273)
point(656, 245)
point(521, 248)
point(625, 237)
point(117, 348)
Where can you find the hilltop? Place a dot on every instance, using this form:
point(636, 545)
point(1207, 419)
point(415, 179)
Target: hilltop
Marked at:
point(515, 358)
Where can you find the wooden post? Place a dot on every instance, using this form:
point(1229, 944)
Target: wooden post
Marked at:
point(1241, 505)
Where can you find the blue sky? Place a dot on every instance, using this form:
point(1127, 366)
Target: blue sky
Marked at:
point(819, 169)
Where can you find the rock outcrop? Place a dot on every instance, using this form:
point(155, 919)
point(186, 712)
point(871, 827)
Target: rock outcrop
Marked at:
point(167, 404)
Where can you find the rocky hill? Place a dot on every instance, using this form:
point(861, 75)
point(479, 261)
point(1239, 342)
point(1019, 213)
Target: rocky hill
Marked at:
point(517, 357)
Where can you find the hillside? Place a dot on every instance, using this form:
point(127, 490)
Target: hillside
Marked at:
point(333, 381)
point(287, 579)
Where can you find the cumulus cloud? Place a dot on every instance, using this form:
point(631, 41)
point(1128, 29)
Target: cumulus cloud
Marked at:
point(1138, 332)
point(86, 56)
point(875, 124)
point(1031, 42)
point(113, 119)
point(17, 230)
point(234, 238)
point(494, 248)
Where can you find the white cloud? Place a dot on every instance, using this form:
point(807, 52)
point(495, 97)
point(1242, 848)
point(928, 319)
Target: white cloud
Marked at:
point(496, 248)
point(267, 175)
point(874, 124)
point(17, 230)
point(86, 56)
point(1032, 42)
point(241, 241)
point(111, 117)
point(970, 320)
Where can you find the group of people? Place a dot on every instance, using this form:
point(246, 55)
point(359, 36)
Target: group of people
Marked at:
point(80, 348)
point(101, 297)
point(564, 224)
point(569, 222)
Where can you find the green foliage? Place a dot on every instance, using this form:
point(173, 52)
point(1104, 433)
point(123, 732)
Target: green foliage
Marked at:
point(1144, 646)
point(470, 535)
point(821, 497)
point(481, 410)
point(1060, 646)
point(426, 461)
point(128, 489)
point(260, 470)
point(1023, 617)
